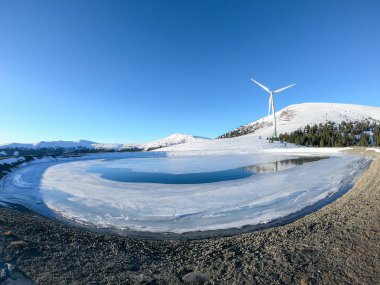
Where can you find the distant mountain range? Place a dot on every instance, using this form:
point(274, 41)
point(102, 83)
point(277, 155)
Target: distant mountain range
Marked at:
point(83, 144)
point(51, 144)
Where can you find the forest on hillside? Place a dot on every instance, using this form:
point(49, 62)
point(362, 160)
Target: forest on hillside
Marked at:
point(359, 133)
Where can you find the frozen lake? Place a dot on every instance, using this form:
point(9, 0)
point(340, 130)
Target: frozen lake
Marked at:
point(158, 193)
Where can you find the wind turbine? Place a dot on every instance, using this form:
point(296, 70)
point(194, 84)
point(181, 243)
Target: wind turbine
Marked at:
point(271, 102)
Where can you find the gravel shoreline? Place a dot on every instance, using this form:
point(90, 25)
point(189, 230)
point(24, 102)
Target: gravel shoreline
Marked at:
point(339, 243)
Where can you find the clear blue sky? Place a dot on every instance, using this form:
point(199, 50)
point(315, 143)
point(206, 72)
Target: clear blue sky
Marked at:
point(131, 71)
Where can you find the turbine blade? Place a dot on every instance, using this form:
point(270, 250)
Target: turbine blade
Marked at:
point(262, 86)
point(283, 88)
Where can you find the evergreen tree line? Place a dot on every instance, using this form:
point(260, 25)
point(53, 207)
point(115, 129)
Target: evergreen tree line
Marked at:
point(330, 134)
point(241, 131)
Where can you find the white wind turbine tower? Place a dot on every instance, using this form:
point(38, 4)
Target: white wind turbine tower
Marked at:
point(271, 102)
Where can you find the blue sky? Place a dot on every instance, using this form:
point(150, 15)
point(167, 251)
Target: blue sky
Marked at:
point(134, 71)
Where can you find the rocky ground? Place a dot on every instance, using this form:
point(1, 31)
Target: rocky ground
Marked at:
point(338, 244)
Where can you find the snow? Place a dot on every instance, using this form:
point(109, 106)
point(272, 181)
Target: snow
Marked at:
point(3, 153)
point(116, 146)
point(373, 149)
point(174, 139)
point(11, 160)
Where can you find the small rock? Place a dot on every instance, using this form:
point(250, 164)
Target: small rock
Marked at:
point(19, 245)
point(8, 234)
point(145, 280)
point(196, 278)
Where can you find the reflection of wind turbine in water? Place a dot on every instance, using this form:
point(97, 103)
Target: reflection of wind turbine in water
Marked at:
point(271, 102)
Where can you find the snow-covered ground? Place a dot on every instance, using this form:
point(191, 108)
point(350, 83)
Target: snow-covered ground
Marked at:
point(11, 160)
point(376, 149)
point(241, 145)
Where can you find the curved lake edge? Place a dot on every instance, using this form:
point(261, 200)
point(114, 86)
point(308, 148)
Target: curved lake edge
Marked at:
point(206, 234)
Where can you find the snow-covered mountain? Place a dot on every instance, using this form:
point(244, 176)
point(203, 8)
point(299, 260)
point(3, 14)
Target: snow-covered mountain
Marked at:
point(167, 141)
point(173, 139)
point(51, 144)
point(298, 116)
point(253, 137)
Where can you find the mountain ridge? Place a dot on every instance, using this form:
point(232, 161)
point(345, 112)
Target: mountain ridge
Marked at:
point(298, 116)
point(176, 138)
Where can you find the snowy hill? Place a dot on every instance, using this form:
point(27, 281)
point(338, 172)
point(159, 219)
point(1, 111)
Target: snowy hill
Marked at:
point(173, 139)
point(117, 146)
point(167, 141)
point(298, 116)
point(289, 119)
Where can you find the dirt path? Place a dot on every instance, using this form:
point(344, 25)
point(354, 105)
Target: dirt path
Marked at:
point(340, 243)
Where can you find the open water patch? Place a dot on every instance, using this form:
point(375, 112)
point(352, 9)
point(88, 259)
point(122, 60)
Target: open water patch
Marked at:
point(129, 175)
